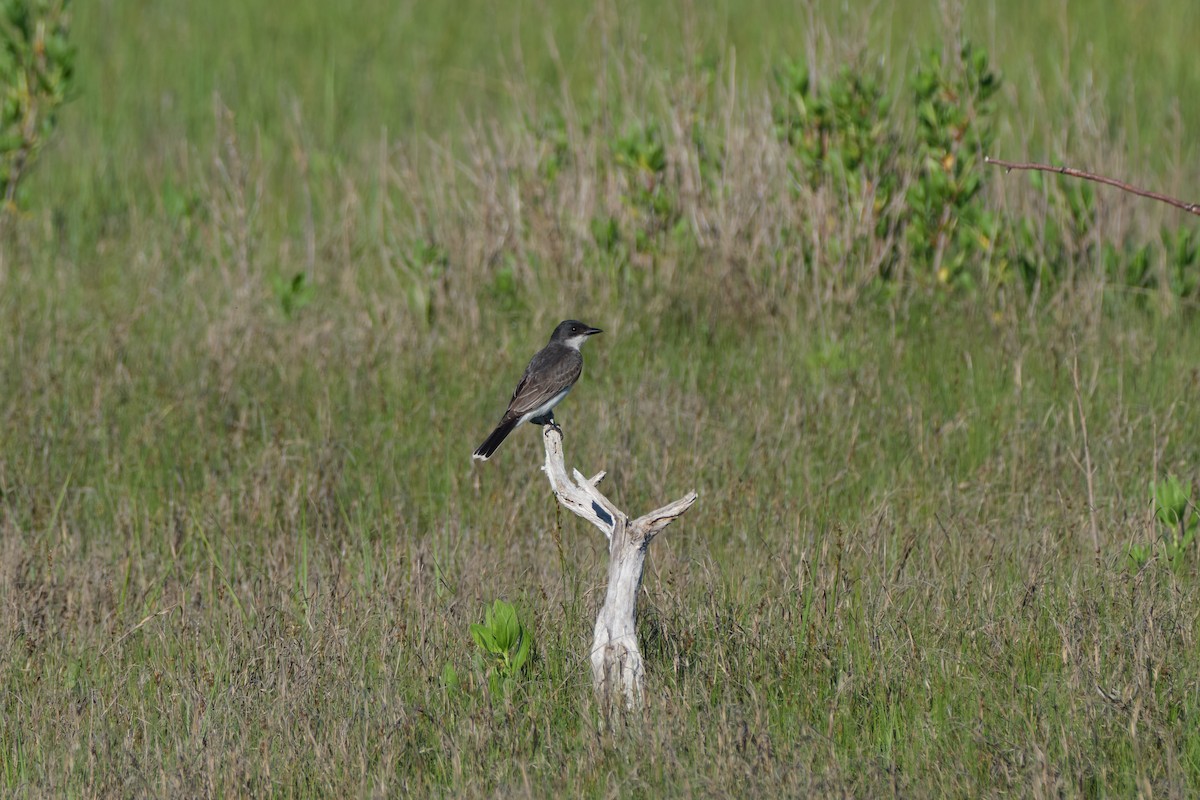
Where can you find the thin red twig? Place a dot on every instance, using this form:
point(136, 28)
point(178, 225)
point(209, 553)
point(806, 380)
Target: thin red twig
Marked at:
point(1191, 208)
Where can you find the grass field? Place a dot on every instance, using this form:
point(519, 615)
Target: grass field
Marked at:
point(277, 273)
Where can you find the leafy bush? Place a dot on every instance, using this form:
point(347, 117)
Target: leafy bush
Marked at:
point(948, 227)
point(847, 134)
point(843, 136)
point(36, 72)
point(838, 130)
point(642, 155)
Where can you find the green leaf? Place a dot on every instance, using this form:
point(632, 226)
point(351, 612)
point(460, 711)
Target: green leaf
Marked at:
point(1171, 500)
point(523, 651)
point(483, 637)
point(450, 676)
point(505, 626)
point(1188, 537)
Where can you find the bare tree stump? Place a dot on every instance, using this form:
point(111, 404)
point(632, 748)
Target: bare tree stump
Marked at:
point(616, 660)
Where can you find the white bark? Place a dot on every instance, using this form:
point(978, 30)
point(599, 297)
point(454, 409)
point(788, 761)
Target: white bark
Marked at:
point(616, 661)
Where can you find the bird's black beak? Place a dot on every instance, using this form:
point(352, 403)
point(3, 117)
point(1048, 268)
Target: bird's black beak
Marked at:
point(593, 331)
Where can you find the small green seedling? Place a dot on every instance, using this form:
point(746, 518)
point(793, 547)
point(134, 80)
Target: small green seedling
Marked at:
point(292, 293)
point(1172, 504)
point(506, 643)
point(1175, 511)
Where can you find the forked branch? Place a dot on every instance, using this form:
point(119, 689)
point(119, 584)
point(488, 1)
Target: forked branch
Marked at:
point(617, 670)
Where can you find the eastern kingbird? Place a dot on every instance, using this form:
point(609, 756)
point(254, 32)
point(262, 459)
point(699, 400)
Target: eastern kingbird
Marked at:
point(550, 375)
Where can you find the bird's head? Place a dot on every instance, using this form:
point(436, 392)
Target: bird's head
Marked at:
point(573, 333)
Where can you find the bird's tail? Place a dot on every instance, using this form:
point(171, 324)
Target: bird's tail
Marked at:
point(485, 450)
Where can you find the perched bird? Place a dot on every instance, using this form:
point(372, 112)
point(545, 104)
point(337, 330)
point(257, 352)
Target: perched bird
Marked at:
point(550, 375)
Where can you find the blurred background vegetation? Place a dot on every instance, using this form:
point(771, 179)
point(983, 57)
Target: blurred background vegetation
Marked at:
point(413, 70)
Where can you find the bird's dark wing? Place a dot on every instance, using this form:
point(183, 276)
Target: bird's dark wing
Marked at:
point(551, 370)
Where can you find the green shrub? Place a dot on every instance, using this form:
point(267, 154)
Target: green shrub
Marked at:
point(36, 72)
point(641, 154)
point(948, 227)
